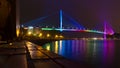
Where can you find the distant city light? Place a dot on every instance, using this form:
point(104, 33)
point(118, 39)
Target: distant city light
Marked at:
point(22, 25)
point(17, 32)
point(48, 35)
point(61, 36)
point(40, 35)
point(25, 28)
point(56, 36)
point(29, 33)
point(10, 43)
point(30, 27)
point(34, 34)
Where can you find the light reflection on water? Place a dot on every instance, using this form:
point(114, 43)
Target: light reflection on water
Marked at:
point(98, 53)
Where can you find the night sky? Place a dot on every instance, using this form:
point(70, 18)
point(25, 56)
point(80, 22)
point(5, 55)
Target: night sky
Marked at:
point(89, 13)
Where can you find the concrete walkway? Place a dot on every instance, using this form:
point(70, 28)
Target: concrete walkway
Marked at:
point(13, 55)
point(28, 55)
point(42, 58)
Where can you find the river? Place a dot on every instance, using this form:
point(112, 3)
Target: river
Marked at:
point(96, 53)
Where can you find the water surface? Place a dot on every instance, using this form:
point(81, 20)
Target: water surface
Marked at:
point(96, 53)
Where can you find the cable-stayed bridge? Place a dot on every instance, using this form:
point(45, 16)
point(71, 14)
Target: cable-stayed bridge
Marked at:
point(63, 22)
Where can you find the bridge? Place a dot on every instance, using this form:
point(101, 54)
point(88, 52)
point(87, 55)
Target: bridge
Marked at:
point(63, 22)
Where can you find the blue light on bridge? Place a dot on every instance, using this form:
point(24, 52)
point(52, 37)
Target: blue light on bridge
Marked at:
point(74, 22)
point(61, 20)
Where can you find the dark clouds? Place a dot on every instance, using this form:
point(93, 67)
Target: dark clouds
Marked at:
point(87, 12)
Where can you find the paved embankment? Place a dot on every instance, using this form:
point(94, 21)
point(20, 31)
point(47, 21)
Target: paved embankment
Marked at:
point(13, 55)
point(46, 59)
point(28, 55)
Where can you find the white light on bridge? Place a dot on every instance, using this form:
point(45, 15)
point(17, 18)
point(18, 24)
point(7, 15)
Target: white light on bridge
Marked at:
point(95, 38)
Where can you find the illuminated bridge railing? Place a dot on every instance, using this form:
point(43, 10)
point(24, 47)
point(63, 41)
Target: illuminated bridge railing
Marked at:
point(77, 30)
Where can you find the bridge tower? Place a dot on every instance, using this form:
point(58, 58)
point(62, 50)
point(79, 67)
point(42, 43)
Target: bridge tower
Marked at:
point(61, 20)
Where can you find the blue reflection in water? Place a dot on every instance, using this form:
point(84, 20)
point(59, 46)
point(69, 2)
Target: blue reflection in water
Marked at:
point(98, 53)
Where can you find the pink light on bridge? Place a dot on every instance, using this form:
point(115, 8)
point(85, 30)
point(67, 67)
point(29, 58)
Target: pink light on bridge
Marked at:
point(108, 29)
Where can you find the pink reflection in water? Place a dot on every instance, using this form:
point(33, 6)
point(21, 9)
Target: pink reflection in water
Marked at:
point(108, 54)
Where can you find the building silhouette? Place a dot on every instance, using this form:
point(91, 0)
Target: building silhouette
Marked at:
point(8, 19)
